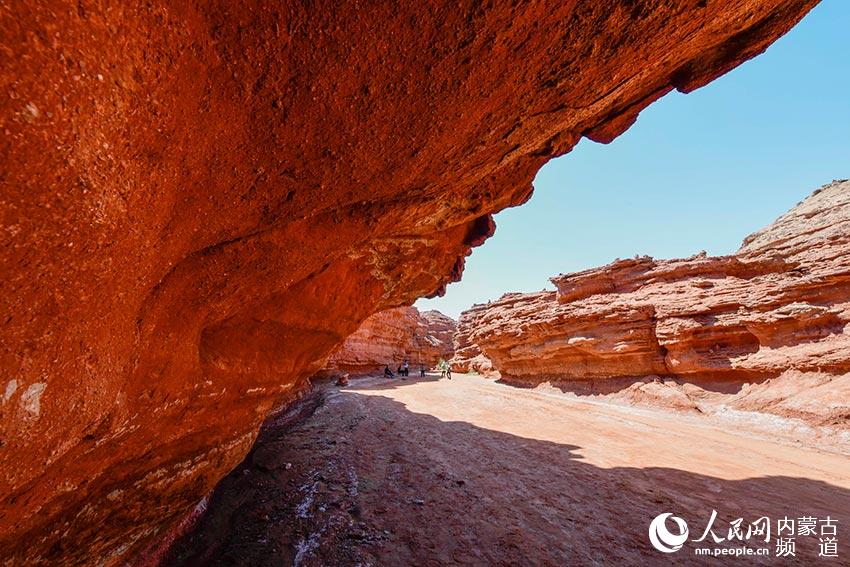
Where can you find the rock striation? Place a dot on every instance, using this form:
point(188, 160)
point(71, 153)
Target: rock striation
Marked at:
point(201, 200)
point(434, 339)
point(467, 354)
point(392, 336)
point(780, 304)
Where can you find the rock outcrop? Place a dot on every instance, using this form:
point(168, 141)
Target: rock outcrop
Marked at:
point(392, 336)
point(434, 339)
point(780, 304)
point(200, 201)
point(467, 355)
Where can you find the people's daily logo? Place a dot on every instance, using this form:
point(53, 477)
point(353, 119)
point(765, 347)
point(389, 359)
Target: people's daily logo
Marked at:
point(662, 538)
point(740, 538)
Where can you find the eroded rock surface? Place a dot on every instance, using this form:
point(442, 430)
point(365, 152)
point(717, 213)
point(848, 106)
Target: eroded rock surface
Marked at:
point(392, 336)
point(780, 304)
point(201, 200)
point(467, 355)
point(436, 336)
point(434, 340)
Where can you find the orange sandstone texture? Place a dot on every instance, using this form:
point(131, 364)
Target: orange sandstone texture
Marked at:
point(392, 336)
point(467, 354)
point(434, 339)
point(199, 201)
point(780, 304)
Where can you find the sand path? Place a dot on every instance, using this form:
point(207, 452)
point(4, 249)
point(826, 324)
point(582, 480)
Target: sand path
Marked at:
point(471, 472)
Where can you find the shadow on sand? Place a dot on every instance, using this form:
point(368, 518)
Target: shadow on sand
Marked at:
point(378, 382)
point(366, 481)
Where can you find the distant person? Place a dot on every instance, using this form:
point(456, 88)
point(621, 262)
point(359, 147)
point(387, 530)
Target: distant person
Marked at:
point(445, 369)
point(406, 367)
point(387, 372)
point(422, 370)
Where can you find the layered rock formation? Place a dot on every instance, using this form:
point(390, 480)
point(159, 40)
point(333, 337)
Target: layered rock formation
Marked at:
point(434, 339)
point(467, 354)
point(392, 336)
point(201, 200)
point(781, 303)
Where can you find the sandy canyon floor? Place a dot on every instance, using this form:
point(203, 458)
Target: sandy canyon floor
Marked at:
point(473, 472)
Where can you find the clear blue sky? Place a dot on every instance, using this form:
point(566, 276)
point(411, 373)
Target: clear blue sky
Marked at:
point(696, 172)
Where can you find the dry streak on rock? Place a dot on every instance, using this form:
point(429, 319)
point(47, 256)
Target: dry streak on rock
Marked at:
point(201, 200)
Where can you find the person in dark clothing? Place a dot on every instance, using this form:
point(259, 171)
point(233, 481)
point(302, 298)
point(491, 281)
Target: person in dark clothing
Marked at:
point(422, 370)
point(387, 372)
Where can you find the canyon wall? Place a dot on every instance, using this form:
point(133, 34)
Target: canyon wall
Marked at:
point(467, 354)
point(780, 304)
point(435, 338)
point(200, 201)
point(392, 336)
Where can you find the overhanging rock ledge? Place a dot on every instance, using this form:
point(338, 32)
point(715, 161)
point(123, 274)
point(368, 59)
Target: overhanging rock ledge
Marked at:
point(201, 200)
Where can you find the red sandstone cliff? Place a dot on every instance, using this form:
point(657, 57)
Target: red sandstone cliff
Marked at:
point(392, 336)
point(780, 304)
point(435, 337)
point(467, 355)
point(201, 200)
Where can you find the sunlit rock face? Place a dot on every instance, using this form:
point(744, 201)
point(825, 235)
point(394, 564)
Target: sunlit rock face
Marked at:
point(388, 338)
point(434, 338)
point(201, 200)
point(467, 354)
point(781, 303)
